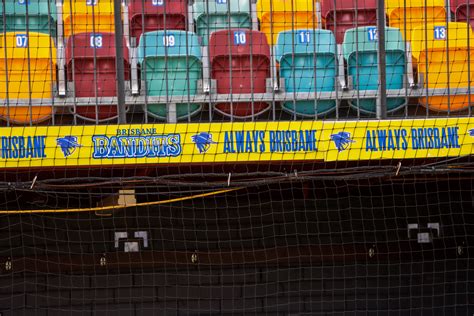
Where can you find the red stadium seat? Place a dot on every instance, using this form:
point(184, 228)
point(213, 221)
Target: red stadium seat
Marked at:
point(341, 16)
point(239, 59)
point(460, 9)
point(80, 53)
point(158, 15)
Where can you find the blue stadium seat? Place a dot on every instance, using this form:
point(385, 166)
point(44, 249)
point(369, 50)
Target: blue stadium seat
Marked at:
point(307, 61)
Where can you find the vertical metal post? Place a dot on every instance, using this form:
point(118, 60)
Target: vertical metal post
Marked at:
point(119, 62)
point(382, 93)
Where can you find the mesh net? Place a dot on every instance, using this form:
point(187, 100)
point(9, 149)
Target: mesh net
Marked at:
point(236, 157)
point(300, 246)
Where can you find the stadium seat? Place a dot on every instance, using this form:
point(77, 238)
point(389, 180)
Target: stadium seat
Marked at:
point(171, 66)
point(41, 16)
point(240, 60)
point(211, 16)
point(94, 79)
point(460, 9)
point(25, 80)
point(157, 15)
point(307, 60)
point(360, 51)
point(444, 56)
point(282, 15)
point(88, 16)
point(346, 14)
point(408, 14)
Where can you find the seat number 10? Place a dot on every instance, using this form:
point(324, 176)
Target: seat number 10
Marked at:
point(240, 38)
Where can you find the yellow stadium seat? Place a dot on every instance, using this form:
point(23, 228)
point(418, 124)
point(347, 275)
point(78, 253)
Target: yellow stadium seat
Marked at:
point(285, 15)
point(87, 16)
point(413, 13)
point(442, 51)
point(24, 80)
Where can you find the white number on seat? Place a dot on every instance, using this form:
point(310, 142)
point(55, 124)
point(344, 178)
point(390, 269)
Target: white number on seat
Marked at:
point(373, 34)
point(23, 2)
point(169, 40)
point(92, 2)
point(221, 1)
point(21, 40)
point(240, 38)
point(440, 32)
point(96, 41)
point(304, 37)
point(158, 3)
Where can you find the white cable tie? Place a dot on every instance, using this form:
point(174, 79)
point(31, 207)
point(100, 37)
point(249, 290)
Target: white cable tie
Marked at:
point(34, 182)
point(398, 168)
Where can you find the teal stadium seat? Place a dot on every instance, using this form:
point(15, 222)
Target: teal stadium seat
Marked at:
point(171, 66)
point(216, 15)
point(41, 16)
point(307, 61)
point(363, 66)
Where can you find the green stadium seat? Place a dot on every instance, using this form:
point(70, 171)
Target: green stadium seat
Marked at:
point(171, 66)
point(41, 16)
point(212, 16)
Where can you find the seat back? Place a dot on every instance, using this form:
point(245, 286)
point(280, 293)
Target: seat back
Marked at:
point(341, 16)
point(169, 44)
point(88, 16)
point(212, 16)
point(238, 43)
point(157, 15)
point(444, 53)
point(243, 53)
point(360, 50)
point(364, 39)
point(460, 9)
point(90, 59)
point(25, 80)
point(409, 14)
point(281, 15)
point(41, 16)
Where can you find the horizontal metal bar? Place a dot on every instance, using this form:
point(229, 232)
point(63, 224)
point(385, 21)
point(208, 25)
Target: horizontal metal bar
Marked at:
point(224, 98)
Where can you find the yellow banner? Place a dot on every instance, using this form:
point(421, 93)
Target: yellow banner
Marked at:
point(106, 145)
